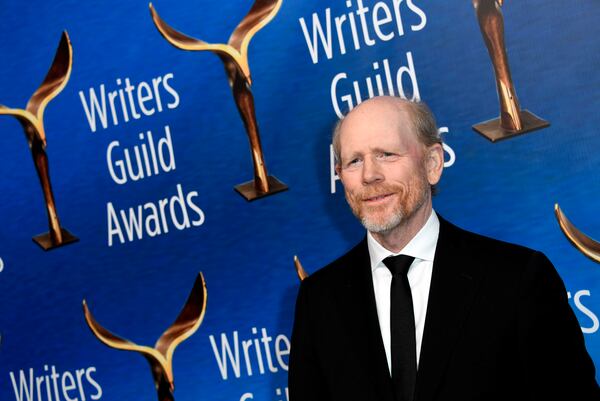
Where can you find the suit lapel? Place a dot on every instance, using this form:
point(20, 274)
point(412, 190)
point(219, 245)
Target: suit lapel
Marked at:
point(453, 286)
point(356, 298)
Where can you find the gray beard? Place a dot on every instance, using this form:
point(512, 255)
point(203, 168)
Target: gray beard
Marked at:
point(382, 227)
point(396, 220)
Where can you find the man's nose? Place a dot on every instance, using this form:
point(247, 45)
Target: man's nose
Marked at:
point(371, 171)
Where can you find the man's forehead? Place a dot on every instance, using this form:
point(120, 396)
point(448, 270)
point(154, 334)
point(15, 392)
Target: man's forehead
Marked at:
point(379, 114)
point(392, 108)
point(375, 125)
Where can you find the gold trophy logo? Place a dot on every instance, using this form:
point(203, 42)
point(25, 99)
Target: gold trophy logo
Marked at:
point(160, 357)
point(32, 120)
point(302, 274)
point(585, 244)
point(234, 55)
point(512, 121)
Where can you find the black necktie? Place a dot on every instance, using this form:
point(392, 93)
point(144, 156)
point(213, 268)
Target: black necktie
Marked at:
point(402, 323)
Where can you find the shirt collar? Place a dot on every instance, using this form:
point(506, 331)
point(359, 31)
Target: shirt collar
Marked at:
point(421, 246)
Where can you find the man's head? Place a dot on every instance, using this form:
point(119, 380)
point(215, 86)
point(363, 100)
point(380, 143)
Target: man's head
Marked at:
point(388, 156)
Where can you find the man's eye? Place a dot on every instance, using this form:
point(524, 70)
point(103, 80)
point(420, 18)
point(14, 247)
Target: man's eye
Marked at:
point(353, 162)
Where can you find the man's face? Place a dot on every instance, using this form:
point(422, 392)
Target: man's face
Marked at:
point(383, 166)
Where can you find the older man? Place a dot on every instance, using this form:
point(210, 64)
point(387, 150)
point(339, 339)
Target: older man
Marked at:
point(420, 309)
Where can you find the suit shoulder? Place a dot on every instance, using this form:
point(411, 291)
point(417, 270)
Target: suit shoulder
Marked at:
point(495, 255)
point(488, 246)
point(340, 268)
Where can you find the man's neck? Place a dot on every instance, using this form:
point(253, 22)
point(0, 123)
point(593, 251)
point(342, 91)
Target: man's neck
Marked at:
point(396, 239)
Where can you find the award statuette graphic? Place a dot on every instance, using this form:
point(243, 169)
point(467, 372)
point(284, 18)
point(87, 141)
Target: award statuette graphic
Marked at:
point(585, 244)
point(32, 120)
point(512, 121)
point(160, 357)
point(234, 56)
point(302, 274)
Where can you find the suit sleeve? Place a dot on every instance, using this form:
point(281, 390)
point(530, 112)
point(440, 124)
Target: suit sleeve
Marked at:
point(554, 363)
point(305, 380)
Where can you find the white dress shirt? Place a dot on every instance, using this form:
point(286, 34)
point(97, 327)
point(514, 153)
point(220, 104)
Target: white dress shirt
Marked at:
point(422, 248)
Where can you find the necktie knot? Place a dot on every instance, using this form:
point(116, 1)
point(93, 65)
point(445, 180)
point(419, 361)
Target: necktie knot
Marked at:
point(399, 264)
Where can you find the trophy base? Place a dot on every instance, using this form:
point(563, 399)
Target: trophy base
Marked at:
point(45, 240)
point(250, 193)
point(492, 130)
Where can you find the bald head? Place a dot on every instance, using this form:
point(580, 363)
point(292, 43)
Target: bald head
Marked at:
point(399, 112)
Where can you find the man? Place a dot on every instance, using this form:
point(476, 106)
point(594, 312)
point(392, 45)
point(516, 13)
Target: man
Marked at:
point(472, 319)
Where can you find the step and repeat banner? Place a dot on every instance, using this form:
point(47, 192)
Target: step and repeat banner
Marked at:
point(161, 165)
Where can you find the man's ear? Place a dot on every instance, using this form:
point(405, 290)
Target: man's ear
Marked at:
point(338, 171)
point(434, 163)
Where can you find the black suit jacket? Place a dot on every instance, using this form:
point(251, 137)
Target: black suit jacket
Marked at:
point(498, 327)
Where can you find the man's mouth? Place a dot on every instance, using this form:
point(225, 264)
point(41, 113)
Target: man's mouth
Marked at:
point(377, 198)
